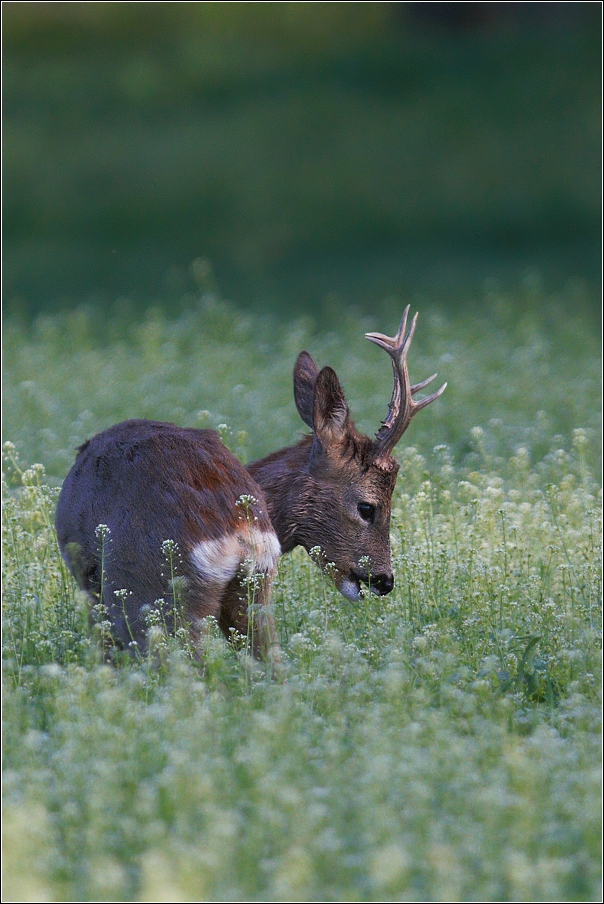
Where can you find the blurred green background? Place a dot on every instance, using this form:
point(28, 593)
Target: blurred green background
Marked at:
point(297, 156)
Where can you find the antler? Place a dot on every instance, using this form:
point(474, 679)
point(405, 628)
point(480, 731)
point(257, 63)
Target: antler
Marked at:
point(402, 407)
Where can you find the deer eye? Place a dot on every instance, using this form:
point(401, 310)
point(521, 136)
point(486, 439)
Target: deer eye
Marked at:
point(366, 511)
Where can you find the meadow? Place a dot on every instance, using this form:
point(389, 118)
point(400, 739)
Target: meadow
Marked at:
point(438, 744)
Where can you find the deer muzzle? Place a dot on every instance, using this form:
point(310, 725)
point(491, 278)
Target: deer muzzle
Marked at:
point(380, 584)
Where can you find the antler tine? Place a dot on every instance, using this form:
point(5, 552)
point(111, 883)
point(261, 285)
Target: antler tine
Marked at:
point(402, 407)
point(389, 343)
point(417, 386)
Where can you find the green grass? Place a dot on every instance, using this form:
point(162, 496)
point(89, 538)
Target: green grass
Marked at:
point(441, 743)
point(524, 367)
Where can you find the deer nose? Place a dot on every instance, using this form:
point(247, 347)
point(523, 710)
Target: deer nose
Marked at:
point(383, 583)
point(379, 583)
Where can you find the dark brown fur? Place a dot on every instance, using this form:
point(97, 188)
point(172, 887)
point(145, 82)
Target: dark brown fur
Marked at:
point(150, 482)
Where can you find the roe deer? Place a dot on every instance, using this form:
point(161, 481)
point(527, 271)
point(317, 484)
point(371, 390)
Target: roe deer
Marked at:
point(148, 482)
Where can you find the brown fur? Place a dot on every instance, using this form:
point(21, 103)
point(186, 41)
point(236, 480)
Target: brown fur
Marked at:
point(150, 482)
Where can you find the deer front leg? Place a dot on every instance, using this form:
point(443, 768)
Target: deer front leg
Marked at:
point(245, 607)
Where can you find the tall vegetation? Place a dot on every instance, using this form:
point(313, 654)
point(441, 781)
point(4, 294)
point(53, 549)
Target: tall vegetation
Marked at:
point(441, 743)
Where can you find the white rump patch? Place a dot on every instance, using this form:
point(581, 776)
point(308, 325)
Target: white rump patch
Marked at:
point(249, 550)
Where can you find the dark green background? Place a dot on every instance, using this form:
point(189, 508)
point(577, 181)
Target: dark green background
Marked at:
point(301, 154)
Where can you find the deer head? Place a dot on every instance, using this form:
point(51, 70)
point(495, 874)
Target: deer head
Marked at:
point(334, 490)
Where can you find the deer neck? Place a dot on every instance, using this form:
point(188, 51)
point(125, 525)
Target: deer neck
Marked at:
point(283, 478)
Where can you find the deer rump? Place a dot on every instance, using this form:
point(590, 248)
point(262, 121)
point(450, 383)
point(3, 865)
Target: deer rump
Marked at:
point(148, 483)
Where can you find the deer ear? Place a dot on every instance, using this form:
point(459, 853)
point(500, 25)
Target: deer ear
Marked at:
point(305, 377)
point(330, 409)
